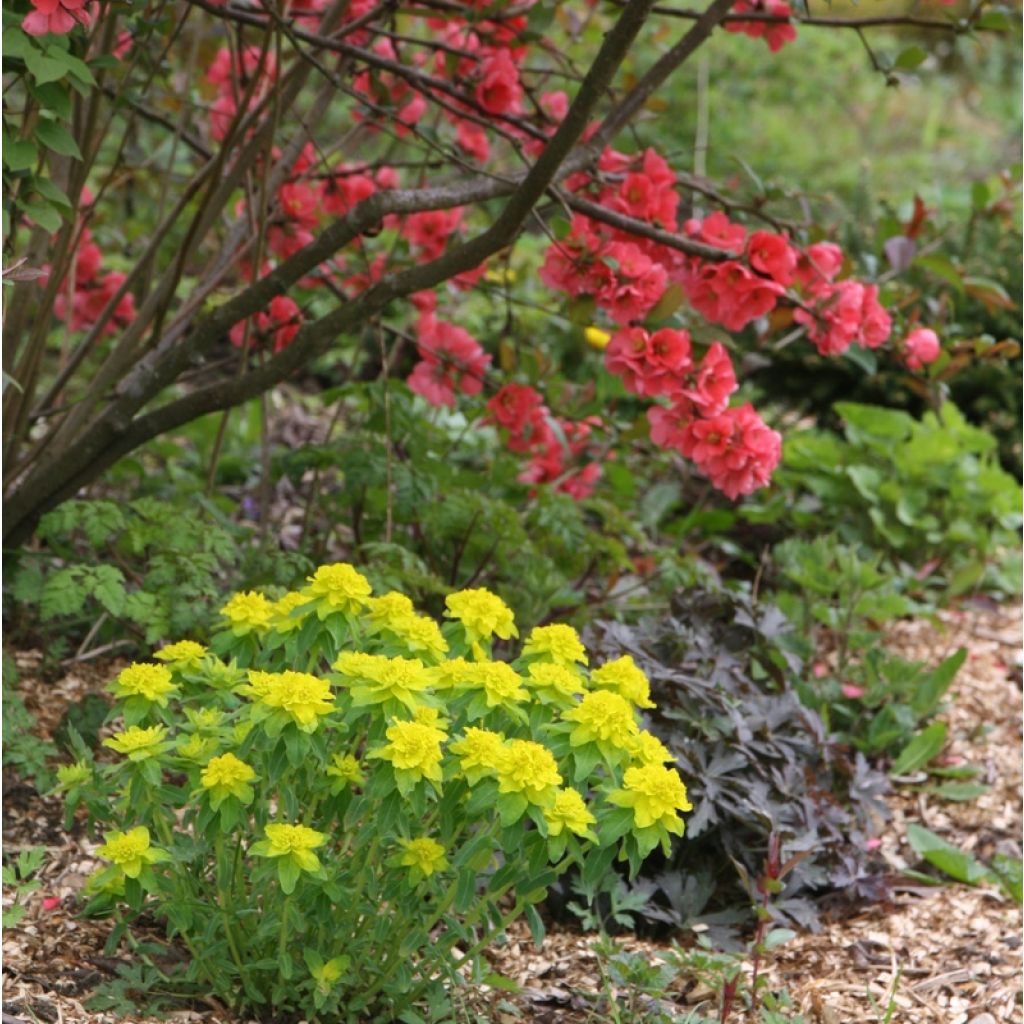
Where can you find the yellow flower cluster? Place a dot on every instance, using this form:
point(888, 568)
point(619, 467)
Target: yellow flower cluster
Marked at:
point(301, 696)
point(337, 588)
point(247, 612)
point(183, 654)
point(482, 615)
point(414, 749)
point(560, 643)
point(226, 776)
point(379, 679)
point(150, 682)
point(130, 852)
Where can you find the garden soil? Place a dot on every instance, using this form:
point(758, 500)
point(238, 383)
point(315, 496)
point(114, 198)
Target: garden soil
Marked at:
point(942, 955)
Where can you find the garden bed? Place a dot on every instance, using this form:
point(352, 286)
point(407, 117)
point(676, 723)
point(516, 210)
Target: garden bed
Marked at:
point(948, 954)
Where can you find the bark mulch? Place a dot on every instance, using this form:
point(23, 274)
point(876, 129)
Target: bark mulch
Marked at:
point(944, 955)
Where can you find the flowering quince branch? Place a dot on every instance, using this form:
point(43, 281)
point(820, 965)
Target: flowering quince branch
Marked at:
point(314, 224)
point(340, 752)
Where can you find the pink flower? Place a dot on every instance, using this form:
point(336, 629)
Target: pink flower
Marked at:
point(872, 844)
point(773, 255)
point(852, 692)
point(499, 90)
point(921, 347)
point(520, 410)
point(431, 230)
point(775, 34)
point(715, 381)
point(57, 16)
point(451, 359)
point(650, 364)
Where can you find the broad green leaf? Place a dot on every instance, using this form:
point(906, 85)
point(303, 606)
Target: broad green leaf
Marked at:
point(960, 791)
point(956, 863)
point(44, 215)
point(1008, 872)
point(911, 58)
point(57, 138)
point(19, 154)
point(936, 683)
point(44, 69)
point(920, 750)
point(942, 267)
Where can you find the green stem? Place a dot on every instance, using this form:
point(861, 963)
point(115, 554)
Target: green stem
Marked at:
point(282, 938)
point(224, 902)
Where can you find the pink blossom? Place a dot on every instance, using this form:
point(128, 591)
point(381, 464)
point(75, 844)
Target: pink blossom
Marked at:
point(451, 359)
point(921, 347)
point(852, 692)
point(57, 16)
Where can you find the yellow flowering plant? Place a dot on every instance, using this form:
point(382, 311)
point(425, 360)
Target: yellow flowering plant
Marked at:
point(340, 803)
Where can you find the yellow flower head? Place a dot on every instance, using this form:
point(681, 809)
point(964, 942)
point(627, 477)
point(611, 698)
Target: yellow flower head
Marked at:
point(559, 643)
point(130, 851)
point(482, 615)
point(296, 841)
point(227, 776)
point(499, 681)
point(247, 612)
point(624, 677)
point(478, 752)
point(392, 607)
point(197, 747)
point(347, 770)
point(356, 664)
point(382, 679)
point(414, 748)
point(648, 749)
point(569, 811)
point(183, 654)
point(141, 679)
point(451, 673)
point(138, 743)
point(337, 588)
point(421, 635)
point(529, 768)
point(71, 775)
point(656, 794)
point(596, 338)
point(304, 697)
point(204, 719)
point(282, 618)
point(424, 856)
point(556, 679)
point(602, 717)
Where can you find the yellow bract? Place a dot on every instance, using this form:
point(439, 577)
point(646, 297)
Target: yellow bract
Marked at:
point(296, 841)
point(346, 768)
point(423, 855)
point(247, 612)
point(569, 811)
point(602, 717)
point(130, 851)
point(656, 794)
point(648, 749)
point(304, 697)
point(562, 681)
point(415, 748)
point(137, 742)
point(529, 768)
point(482, 614)
point(596, 338)
point(559, 642)
point(624, 677)
point(382, 679)
point(282, 618)
point(142, 679)
point(478, 752)
point(337, 588)
point(500, 683)
point(228, 776)
point(185, 653)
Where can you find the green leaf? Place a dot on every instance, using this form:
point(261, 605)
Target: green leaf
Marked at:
point(996, 21)
point(16, 43)
point(108, 588)
point(19, 154)
point(44, 215)
point(499, 981)
point(533, 919)
point(63, 593)
point(44, 69)
point(777, 937)
point(920, 750)
point(934, 684)
point(942, 267)
point(51, 193)
point(1009, 874)
point(956, 863)
point(57, 138)
point(911, 58)
point(960, 791)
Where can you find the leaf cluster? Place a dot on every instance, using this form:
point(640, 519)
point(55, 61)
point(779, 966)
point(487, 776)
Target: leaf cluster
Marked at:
point(757, 761)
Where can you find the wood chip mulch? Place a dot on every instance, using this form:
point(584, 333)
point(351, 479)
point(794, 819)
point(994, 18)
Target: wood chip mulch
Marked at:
point(944, 955)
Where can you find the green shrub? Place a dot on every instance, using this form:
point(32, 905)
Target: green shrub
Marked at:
point(324, 817)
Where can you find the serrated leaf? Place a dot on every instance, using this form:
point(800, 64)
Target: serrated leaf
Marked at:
point(108, 588)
